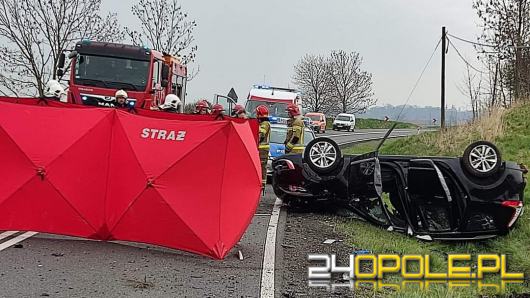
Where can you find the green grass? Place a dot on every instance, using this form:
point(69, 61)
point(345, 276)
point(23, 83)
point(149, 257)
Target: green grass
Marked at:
point(366, 123)
point(512, 136)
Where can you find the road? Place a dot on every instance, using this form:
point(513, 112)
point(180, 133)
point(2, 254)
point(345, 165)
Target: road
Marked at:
point(52, 266)
point(344, 138)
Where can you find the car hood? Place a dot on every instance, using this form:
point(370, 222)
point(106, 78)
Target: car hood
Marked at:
point(277, 150)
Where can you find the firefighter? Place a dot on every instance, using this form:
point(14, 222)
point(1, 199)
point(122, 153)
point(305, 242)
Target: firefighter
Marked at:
point(171, 104)
point(202, 107)
point(295, 130)
point(54, 90)
point(218, 111)
point(239, 112)
point(121, 99)
point(262, 112)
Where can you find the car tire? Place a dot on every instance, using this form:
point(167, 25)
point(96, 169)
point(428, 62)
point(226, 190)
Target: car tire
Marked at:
point(312, 155)
point(482, 159)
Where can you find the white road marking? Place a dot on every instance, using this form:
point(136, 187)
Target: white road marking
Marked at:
point(7, 234)
point(16, 240)
point(269, 256)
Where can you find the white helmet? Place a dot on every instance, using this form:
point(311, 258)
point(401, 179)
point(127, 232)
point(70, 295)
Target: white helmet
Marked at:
point(121, 93)
point(54, 89)
point(171, 101)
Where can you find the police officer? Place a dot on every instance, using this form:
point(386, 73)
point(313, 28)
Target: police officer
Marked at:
point(262, 112)
point(239, 112)
point(121, 99)
point(295, 130)
point(202, 107)
point(171, 104)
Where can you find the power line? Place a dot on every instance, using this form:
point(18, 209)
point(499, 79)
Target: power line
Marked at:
point(463, 59)
point(419, 79)
point(472, 42)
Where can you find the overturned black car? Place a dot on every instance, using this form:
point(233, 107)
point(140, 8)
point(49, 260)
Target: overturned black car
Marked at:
point(476, 196)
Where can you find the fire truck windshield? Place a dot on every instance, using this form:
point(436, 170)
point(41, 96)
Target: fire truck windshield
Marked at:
point(111, 72)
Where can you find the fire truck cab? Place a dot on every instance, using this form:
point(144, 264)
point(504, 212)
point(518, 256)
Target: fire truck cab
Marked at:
point(99, 69)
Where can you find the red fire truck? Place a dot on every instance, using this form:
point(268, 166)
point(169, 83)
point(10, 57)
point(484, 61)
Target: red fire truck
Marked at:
point(99, 69)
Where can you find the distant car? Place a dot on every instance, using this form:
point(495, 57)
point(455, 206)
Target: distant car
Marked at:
point(344, 121)
point(318, 122)
point(476, 196)
point(277, 139)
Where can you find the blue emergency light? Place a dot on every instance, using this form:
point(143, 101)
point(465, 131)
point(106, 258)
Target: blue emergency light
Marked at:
point(278, 120)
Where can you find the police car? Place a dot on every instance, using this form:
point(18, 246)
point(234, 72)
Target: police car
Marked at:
point(277, 139)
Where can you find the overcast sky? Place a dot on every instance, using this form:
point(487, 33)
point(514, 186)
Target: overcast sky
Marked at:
point(245, 42)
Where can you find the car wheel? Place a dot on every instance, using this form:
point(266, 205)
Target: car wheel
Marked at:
point(322, 155)
point(482, 159)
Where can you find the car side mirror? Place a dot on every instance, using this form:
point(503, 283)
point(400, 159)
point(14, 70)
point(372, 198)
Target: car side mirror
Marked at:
point(62, 59)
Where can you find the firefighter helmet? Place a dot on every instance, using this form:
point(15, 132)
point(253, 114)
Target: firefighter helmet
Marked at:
point(217, 109)
point(238, 109)
point(262, 111)
point(293, 110)
point(202, 106)
point(171, 102)
point(53, 89)
point(122, 94)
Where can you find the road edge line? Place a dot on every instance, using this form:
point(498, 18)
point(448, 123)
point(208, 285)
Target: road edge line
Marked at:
point(6, 234)
point(16, 240)
point(269, 255)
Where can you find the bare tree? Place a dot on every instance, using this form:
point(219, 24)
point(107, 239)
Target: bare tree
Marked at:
point(36, 32)
point(312, 77)
point(352, 87)
point(506, 32)
point(471, 88)
point(165, 27)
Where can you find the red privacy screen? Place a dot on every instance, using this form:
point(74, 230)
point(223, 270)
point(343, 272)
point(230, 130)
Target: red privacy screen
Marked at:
point(185, 182)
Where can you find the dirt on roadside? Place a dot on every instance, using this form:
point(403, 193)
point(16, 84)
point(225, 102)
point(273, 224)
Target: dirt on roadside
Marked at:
point(305, 233)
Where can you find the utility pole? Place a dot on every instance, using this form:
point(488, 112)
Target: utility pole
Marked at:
point(442, 107)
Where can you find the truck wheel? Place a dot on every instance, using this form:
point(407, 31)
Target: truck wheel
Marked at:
point(322, 155)
point(482, 159)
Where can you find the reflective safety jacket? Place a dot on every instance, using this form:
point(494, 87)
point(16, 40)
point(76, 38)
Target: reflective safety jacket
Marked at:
point(294, 141)
point(264, 135)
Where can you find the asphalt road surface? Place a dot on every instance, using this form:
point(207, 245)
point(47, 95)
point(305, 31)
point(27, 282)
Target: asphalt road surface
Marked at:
point(51, 266)
point(344, 138)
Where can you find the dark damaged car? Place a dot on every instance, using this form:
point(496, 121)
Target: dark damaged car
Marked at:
point(476, 196)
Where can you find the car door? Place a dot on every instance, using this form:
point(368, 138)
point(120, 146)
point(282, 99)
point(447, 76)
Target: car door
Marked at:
point(432, 203)
point(365, 189)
